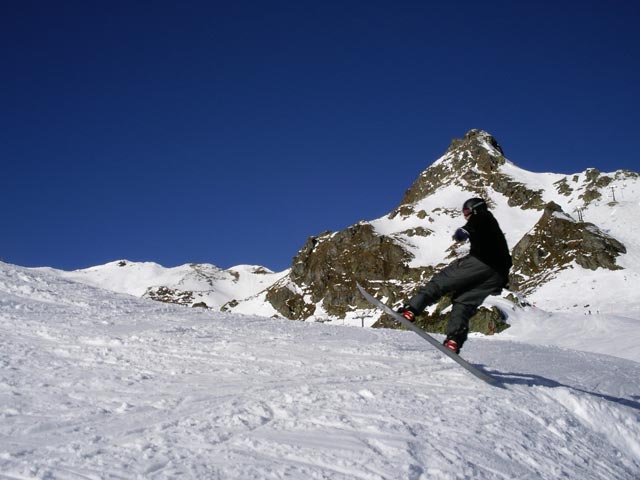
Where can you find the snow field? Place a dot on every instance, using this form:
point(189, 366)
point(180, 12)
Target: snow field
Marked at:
point(99, 385)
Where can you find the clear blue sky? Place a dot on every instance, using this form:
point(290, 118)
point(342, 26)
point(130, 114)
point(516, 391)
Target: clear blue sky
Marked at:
point(229, 132)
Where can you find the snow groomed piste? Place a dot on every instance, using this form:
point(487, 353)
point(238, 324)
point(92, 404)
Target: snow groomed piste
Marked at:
point(95, 384)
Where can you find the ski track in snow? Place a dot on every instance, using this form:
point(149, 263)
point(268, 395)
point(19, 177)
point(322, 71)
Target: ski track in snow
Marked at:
point(97, 385)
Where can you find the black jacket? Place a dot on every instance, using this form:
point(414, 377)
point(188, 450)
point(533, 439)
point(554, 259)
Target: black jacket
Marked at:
point(488, 243)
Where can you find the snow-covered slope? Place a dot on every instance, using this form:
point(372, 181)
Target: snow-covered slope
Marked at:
point(188, 284)
point(96, 384)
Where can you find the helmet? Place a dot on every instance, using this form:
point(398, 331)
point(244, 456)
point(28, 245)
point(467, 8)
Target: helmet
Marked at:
point(474, 205)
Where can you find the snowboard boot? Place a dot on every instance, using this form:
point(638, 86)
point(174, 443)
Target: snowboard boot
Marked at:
point(452, 345)
point(454, 342)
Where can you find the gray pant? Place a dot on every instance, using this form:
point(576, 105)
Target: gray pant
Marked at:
point(470, 280)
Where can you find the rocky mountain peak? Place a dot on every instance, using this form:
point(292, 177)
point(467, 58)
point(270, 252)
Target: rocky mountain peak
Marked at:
point(473, 163)
point(475, 140)
point(477, 154)
point(393, 255)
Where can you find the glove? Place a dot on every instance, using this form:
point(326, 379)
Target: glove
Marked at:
point(408, 312)
point(460, 235)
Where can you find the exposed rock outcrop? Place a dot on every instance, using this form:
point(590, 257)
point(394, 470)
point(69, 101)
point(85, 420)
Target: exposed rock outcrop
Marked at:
point(557, 242)
point(328, 266)
point(169, 295)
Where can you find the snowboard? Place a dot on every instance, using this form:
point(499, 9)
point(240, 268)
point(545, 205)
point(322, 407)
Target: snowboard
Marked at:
point(449, 353)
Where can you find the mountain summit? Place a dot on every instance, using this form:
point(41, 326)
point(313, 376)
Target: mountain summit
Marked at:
point(476, 155)
point(393, 255)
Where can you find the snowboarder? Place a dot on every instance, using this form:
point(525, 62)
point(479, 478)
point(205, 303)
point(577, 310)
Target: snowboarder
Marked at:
point(472, 278)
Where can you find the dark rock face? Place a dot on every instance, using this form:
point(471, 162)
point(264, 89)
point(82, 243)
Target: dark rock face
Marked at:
point(556, 241)
point(289, 301)
point(328, 266)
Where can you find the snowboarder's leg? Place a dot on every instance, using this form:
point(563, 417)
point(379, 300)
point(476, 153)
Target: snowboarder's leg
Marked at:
point(459, 275)
point(426, 296)
point(465, 305)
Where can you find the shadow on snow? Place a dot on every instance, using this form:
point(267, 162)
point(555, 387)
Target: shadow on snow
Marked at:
point(538, 381)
